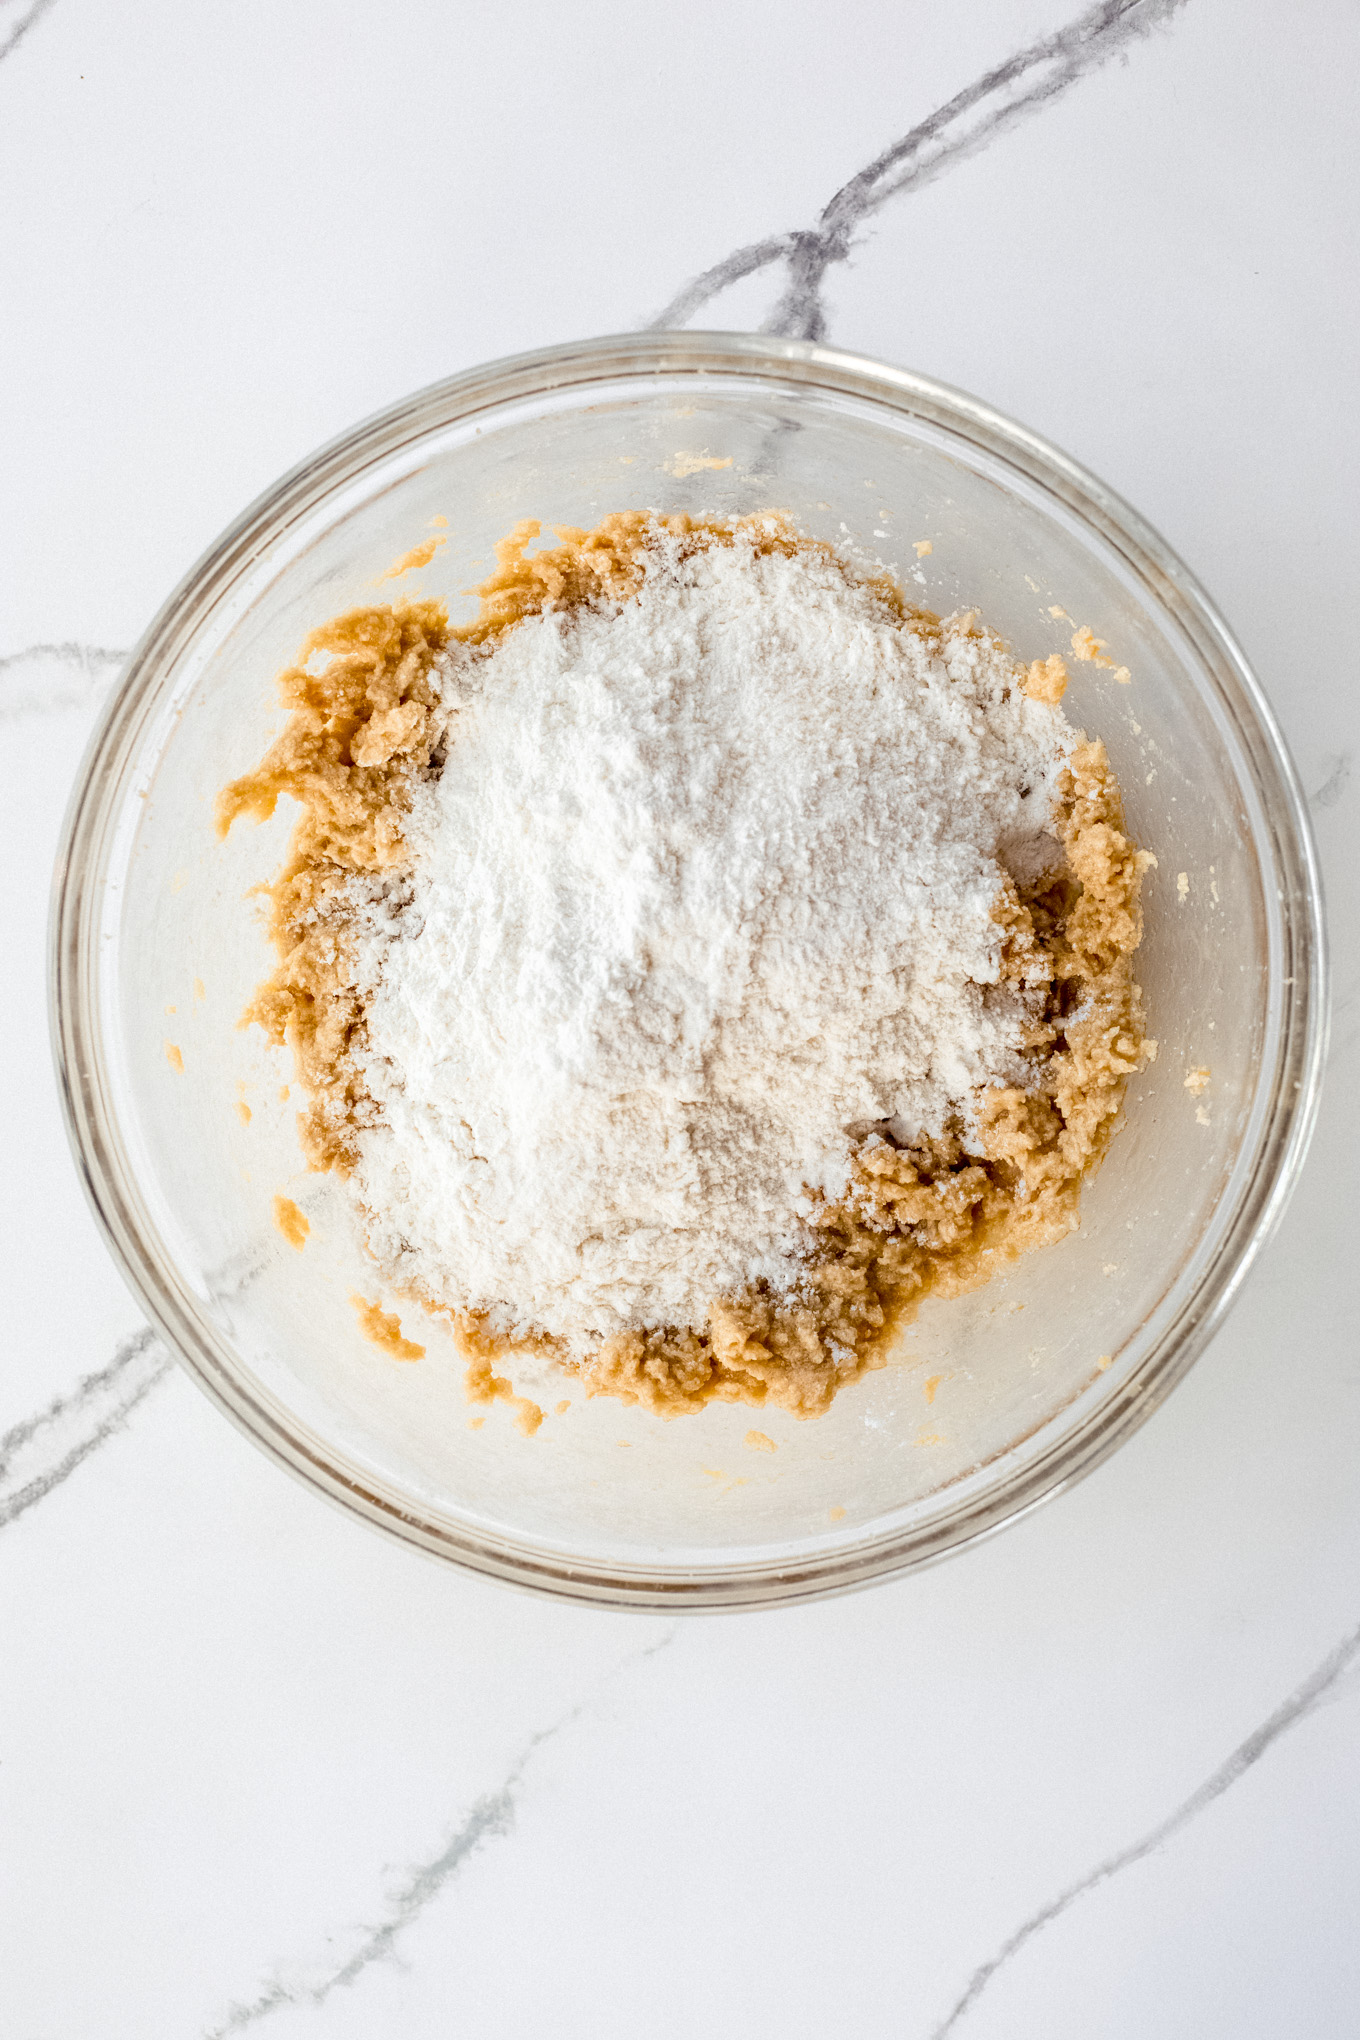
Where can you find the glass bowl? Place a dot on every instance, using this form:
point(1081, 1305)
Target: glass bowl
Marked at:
point(992, 1402)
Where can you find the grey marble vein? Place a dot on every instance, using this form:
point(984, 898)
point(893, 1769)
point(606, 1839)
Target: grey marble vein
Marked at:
point(1321, 1685)
point(42, 1451)
point(42, 679)
point(22, 26)
point(490, 1817)
point(994, 103)
point(1334, 785)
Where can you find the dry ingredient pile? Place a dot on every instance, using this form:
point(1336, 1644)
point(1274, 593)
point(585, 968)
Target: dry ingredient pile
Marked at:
point(698, 959)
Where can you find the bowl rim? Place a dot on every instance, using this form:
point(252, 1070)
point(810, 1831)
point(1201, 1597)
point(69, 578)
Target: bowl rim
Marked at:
point(1280, 1138)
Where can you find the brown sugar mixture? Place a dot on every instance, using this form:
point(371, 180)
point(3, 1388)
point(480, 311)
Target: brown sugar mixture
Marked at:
point(912, 1215)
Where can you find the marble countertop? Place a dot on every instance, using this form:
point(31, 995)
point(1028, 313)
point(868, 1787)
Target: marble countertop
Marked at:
point(261, 1769)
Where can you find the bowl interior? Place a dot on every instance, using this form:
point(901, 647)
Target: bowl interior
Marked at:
point(604, 1498)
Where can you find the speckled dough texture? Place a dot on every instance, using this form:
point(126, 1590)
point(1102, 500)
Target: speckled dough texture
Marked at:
point(938, 1216)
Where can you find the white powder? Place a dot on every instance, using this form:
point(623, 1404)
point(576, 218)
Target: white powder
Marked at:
point(703, 892)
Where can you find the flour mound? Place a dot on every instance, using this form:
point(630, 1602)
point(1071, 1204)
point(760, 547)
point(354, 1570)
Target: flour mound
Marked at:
point(703, 894)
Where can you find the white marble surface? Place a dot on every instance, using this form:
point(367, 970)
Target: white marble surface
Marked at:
point(260, 1769)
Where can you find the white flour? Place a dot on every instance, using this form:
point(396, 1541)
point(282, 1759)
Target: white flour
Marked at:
point(703, 890)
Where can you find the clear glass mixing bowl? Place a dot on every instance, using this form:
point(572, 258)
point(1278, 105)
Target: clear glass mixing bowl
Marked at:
point(994, 1401)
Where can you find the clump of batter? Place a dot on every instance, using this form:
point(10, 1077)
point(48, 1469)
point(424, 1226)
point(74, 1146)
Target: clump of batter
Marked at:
point(842, 1019)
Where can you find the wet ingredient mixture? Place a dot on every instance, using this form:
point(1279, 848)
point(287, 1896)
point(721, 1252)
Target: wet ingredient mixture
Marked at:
point(698, 959)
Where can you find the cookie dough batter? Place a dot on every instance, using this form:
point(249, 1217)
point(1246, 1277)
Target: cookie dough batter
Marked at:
point(938, 1216)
